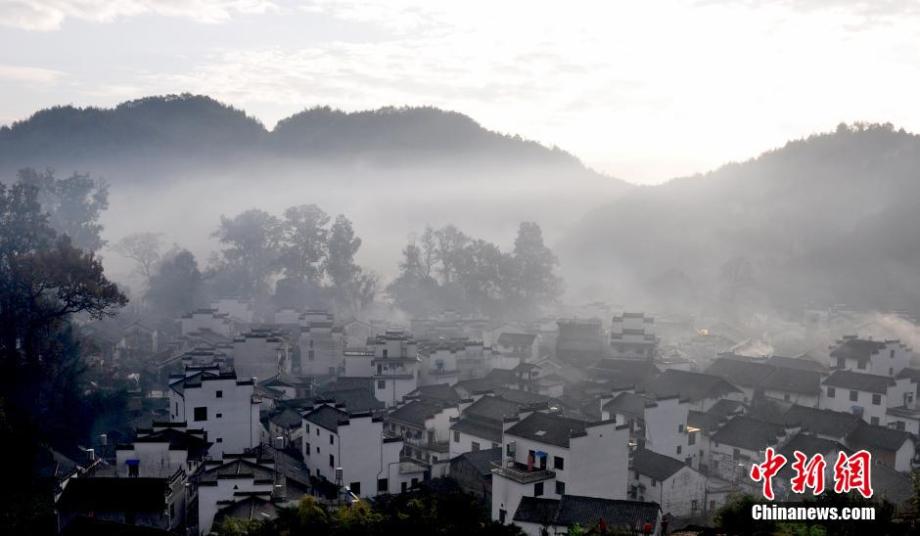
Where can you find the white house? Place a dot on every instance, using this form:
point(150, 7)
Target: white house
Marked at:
point(424, 426)
point(882, 358)
point(679, 489)
point(240, 311)
point(632, 336)
point(228, 480)
point(207, 319)
point(659, 425)
point(738, 444)
point(221, 405)
point(322, 344)
point(866, 395)
point(517, 347)
point(261, 353)
point(395, 366)
point(550, 456)
point(701, 391)
point(352, 450)
point(161, 451)
point(480, 423)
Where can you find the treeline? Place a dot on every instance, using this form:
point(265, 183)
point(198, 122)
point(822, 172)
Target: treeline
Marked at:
point(441, 511)
point(302, 257)
point(446, 269)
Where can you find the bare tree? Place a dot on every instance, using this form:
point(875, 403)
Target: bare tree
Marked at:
point(142, 248)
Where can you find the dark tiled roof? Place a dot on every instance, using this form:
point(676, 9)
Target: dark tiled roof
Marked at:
point(723, 408)
point(912, 373)
point(797, 363)
point(237, 467)
point(248, 508)
point(326, 416)
point(355, 400)
point(114, 495)
point(623, 515)
point(516, 339)
point(416, 412)
point(872, 437)
point(286, 418)
point(482, 459)
point(177, 439)
point(537, 510)
point(692, 386)
point(494, 408)
point(546, 428)
point(624, 371)
point(846, 379)
point(823, 422)
point(657, 466)
point(441, 392)
point(747, 433)
point(628, 404)
point(793, 381)
point(482, 428)
point(810, 444)
point(702, 420)
point(739, 371)
point(859, 349)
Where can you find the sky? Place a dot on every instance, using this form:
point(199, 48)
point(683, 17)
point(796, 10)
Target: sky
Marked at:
point(641, 90)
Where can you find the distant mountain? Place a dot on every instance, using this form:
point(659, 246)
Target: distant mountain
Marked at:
point(834, 218)
point(180, 130)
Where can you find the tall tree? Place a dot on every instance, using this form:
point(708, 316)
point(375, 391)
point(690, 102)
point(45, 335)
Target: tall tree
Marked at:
point(304, 236)
point(142, 248)
point(250, 249)
point(414, 291)
point(352, 287)
point(176, 287)
point(429, 249)
point(450, 250)
point(533, 280)
point(73, 205)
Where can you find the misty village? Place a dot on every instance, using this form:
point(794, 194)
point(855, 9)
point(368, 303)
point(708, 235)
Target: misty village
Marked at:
point(283, 268)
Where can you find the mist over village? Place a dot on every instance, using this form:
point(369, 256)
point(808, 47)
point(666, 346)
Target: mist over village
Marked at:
point(371, 268)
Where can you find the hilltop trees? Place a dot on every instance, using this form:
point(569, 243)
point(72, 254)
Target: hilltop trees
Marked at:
point(475, 274)
point(301, 254)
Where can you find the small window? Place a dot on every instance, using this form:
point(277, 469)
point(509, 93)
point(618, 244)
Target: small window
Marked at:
point(307, 449)
point(691, 438)
point(560, 488)
point(786, 397)
point(219, 394)
point(854, 396)
point(331, 460)
point(694, 505)
point(502, 514)
point(654, 483)
point(679, 449)
point(475, 446)
point(456, 436)
point(538, 489)
point(680, 428)
point(317, 432)
point(307, 429)
point(876, 399)
point(331, 439)
point(736, 453)
point(220, 440)
point(381, 384)
point(831, 392)
point(874, 420)
point(355, 488)
point(311, 356)
point(899, 425)
point(559, 463)
point(201, 414)
point(382, 485)
point(219, 416)
point(891, 353)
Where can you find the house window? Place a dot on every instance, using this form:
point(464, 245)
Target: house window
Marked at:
point(854, 396)
point(891, 353)
point(694, 505)
point(831, 392)
point(899, 425)
point(456, 436)
point(331, 439)
point(307, 429)
point(538, 489)
point(654, 483)
point(381, 384)
point(560, 488)
point(691, 438)
point(680, 428)
point(786, 397)
point(307, 450)
point(331, 460)
point(355, 488)
point(736, 453)
point(679, 449)
point(317, 432)
point(890, 371)
point(559, 463)
point(876, 399)
point(382, 485)
point(220, 440)
point(502, 514)
point(475, 446)
point(219, 394)
point(874, 420)
point(218, 416)
point(311, 355)
point(201, 414)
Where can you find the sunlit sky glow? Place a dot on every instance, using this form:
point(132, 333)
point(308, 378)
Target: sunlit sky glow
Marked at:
point(644, 91)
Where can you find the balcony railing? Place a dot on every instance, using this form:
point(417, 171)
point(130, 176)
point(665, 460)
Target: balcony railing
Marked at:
point(520, 473)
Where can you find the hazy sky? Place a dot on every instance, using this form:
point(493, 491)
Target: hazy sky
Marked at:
point(643, 90)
